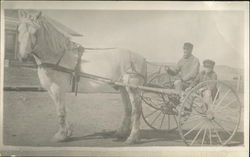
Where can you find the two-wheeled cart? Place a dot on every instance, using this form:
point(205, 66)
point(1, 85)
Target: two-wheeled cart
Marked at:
point(198, 122)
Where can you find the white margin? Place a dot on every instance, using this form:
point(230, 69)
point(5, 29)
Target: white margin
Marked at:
point(240, 151)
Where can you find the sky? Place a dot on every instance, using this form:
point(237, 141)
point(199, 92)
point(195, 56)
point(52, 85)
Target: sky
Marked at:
point(159, 35)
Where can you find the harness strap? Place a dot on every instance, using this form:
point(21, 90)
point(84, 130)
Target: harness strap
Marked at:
point(59, 60)
point(77, 70)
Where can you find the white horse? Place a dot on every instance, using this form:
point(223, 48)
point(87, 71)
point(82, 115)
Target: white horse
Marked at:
point(41, 39)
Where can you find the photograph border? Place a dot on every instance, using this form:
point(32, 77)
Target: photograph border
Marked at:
point(132, 151)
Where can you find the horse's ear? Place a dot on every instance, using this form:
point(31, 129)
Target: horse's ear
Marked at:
point(21, 14)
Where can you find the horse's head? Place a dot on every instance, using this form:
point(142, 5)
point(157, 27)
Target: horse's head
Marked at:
point(27, 29)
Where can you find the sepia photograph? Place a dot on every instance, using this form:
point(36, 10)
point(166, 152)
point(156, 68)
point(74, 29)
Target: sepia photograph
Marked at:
point(138, 78)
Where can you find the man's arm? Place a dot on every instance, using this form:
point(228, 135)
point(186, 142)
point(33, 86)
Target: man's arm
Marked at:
point(175, 71)
point(172, 71)
point(196, 80)
point(193, 72)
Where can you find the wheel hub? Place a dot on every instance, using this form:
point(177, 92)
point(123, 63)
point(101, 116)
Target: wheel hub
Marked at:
point(210, 115)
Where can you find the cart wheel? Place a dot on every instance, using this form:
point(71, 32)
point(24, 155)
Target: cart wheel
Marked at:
point(157, 114)
point(205, 120)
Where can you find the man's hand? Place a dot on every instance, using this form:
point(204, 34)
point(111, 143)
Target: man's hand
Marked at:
point(170, 71)
point(166, 68)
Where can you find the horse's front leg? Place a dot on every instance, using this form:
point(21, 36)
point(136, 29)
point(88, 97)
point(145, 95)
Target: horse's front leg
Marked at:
point(57, 95)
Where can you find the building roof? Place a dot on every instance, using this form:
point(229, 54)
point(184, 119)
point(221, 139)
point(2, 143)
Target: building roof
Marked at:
point(11, 22)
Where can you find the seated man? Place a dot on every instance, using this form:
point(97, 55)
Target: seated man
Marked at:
point(209, 91)
point(187, 68)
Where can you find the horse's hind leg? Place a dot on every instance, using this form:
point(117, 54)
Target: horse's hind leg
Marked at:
point(134, 96)
point(64, 129)
point(125, 127)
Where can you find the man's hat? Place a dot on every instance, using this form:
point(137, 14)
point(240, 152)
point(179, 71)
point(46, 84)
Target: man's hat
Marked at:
point(188, 45)
point(208, 63)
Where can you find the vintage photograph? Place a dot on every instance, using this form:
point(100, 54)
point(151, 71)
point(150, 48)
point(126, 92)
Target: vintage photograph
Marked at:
point(123, 78)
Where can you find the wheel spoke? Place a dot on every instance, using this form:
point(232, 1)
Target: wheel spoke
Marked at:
point(155, 118)
point(168, 121)
point(204, 136)
point(217, 134)
point(222, 127)
point(217, 93)
point(192, 113)
point(210, 136)
point(192, 129)
point(225, 106)
point(175, 120)
point(162, 120)
point(228, 110)
point(226, 121)
point(192, 120)
point(224, 96)
point(197, 135)
point(150, 114)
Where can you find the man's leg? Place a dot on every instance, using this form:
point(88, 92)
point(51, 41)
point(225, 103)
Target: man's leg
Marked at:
point(207, 97)
point(178, 85)
point(181, 85)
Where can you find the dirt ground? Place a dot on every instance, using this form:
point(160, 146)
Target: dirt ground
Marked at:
point(30, 120)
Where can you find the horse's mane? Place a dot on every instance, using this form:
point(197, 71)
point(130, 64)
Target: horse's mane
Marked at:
point(50, 38)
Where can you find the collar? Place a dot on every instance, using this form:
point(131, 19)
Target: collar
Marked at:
point(190, 57)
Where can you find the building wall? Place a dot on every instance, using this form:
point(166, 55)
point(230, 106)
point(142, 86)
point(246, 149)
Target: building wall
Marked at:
point(10, 45)
point(11, 35)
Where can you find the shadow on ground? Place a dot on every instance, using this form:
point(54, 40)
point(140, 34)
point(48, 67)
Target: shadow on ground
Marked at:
point(148, 136)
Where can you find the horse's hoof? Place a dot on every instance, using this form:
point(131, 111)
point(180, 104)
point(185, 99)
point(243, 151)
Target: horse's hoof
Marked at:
point(62, 136)
point(121, 134)
point(59, 138)
point(69, 132)
point(130, 141)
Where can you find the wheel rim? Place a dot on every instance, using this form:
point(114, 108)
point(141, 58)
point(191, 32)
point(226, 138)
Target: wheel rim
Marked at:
point(215, 122)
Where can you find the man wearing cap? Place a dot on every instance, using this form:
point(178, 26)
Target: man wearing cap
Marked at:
point(187, 68)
